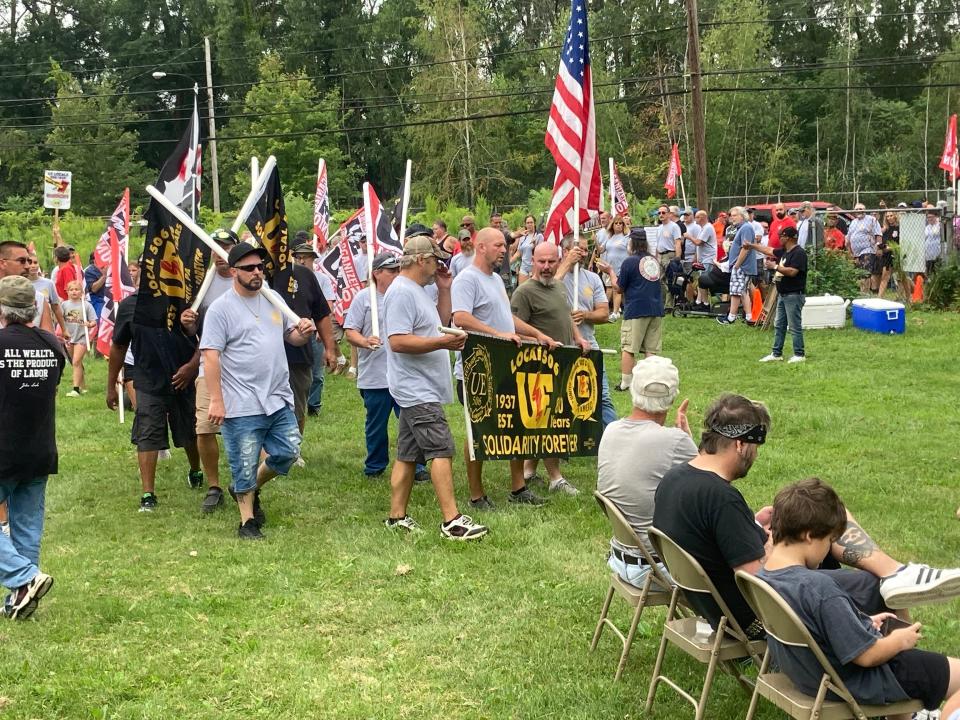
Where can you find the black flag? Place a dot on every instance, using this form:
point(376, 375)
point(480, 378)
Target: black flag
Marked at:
point(268, 223)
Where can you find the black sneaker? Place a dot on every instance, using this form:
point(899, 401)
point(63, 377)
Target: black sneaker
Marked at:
point(258, 513)
point(21, 603)
point(526, 497)
point(213, 500)
point(195, 479)
point(148, 502)
point(249, 531)
point(482, 503)
point(422, 477)
point(462, 527)
point(725, 320)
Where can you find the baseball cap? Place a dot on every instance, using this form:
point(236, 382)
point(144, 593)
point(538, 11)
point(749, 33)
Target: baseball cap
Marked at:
point(464, 234)
point(674, 209)
point(416, 230)
point(305, 249)
point(655, 377)
point(423, 245)
point(386, 261)
point(222, 236)
point(467, 220)
point(243, 249)
point(17, 292)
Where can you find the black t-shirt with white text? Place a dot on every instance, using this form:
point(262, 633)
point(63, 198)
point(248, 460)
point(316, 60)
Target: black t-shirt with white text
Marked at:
point(795, 258)
point(31, 363)
point(307, 301)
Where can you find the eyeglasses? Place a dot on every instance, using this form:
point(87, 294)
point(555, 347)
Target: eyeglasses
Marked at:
point(251, 268)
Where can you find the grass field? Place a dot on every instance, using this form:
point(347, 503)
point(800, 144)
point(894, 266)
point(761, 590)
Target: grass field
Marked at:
point(169, 615)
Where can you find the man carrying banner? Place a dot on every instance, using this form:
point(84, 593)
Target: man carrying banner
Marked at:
point(480, 304)
point(249, 384)
point(542, 303)
point(418, 373)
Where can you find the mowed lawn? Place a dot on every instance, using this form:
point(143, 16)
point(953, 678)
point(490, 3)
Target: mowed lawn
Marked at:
point(168, 615)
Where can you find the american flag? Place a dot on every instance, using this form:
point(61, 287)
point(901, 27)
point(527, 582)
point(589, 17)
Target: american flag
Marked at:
point(571, 131)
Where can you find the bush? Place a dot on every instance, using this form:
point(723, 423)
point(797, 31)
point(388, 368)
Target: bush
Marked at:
point(833, 273)
point(943, 292)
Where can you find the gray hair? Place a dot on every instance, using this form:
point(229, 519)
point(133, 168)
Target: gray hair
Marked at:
point(408, 260)
point(738, 210)
point(18, 316)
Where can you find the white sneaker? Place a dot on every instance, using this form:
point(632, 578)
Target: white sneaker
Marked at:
point(73, 393)
point(918, 584)
point(926, 715)
point(405, 523)
point(797, 359)
point(164, 455)
point(300, 462)
point(5, 528)
point(771, 358)
point(561, 485)
point(352, 374)
point(463, 528)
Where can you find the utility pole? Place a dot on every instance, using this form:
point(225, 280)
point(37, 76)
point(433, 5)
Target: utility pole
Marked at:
point(699, 120)
point(213, 129)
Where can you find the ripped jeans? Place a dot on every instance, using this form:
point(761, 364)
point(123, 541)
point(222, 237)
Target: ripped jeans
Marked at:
point(243, 438)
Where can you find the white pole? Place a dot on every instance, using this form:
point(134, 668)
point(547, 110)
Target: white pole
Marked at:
point(271, 296)
point(613, 189)
point(406, 200)
point(120, 394)
point(254, 171)
point(242, 216)
point(683, 194)
point(576, 244)
point(83, 305)
point(368, 217)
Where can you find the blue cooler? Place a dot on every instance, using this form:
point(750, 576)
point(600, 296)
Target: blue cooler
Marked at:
point(880, 316)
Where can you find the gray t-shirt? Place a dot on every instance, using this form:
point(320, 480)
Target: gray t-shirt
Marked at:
point(484, 297)
point(667, 234)
point(249, 334)
point(615, 250)
point(326, 286)
point(46, 288)
point(632, 459)
point(842, 631)
point(372, 369)
point(459, 262)
point(73, 316)
point(415, 379)
point(218, 286)
point(707, 250)
point(591, 294)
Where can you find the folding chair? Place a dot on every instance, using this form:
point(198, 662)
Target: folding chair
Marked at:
point(782, 623)
point(719, 648)
point(656, 589)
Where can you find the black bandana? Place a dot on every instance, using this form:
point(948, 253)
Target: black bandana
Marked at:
point(756, 434)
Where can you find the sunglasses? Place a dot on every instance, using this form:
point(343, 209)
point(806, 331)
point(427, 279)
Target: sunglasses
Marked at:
point(251, 267)
point(661, 212)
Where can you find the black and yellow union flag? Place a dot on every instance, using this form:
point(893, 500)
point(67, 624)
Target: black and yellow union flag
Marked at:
point(268, 223)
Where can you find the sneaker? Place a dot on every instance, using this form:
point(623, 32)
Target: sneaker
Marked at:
point(212, 500)
point(313, 412)
point(724, 320)
point(619, 388)
point(300, 462)
point(164, 454)
point(73, 393)
point(482, 503)
point(405, 523)
point(926, 715)
point(526, 497)
point(352, 374)
point(797, 359)
point(534, 479)
point(561, 485)
point(423, 476)
point(21, 603)
point(148, 502)
point(249, 530)
point(258, 513)
point(750, 323)
point(5, 528)
point(613, 317)
point(771, 358)
point(462, 527)
point(195, 479)
point(919, 584)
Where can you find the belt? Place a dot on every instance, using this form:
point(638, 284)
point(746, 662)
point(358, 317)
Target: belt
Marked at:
point(628, 559)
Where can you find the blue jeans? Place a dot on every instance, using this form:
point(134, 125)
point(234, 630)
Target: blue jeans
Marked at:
point(789, 308)
point(379, 404)
point(20, 553)
point(315, 396)
point(243, 438)
point(608, 413)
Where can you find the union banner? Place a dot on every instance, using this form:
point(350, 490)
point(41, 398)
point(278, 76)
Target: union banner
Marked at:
point(531, 401)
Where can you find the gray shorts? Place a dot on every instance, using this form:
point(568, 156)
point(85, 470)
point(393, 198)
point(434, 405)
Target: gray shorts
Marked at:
point(423, 434)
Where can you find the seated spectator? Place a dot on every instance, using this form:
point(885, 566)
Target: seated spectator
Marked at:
point(698, 507)
point(636, 451)
point(877, 666)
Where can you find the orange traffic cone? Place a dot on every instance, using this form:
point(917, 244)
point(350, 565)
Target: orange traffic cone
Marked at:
point(756, 305)
point(917, 296)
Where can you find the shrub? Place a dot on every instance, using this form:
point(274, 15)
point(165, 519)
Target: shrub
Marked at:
point(833, 273)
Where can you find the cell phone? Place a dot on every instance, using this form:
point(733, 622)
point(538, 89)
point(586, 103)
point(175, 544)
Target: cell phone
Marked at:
point(891, 624)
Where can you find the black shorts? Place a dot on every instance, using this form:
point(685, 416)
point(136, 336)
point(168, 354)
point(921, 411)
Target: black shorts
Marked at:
point(127, 373)
point(923, 675)
point(156, 413)
point(423, 434)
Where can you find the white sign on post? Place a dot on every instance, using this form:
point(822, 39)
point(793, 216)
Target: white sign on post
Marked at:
point(57, 187)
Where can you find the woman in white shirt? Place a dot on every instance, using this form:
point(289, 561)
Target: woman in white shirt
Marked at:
point(529, 238)
point(614, 252)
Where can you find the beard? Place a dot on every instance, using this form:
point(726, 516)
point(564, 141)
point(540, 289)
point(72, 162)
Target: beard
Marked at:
point(253, 285)
point(743, 466)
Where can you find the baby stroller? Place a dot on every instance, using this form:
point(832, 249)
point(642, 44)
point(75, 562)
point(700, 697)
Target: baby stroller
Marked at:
point(679, 277)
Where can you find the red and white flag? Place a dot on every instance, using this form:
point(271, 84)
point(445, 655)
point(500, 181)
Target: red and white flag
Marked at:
point(618, 198)
point(572, 133)
point(321, 211)
point(384, 238)
point(342, 264)
point(110, 256)
point(674, 172)
point(950, 160)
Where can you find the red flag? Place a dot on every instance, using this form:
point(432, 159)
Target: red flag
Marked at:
point(950, 160)
point(110, 256)
point(321, 211)
point(571, 131)
point(674, 172)
point(384, 238)
point(618, 198)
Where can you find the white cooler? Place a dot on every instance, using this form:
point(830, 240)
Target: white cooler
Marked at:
point(824, 311)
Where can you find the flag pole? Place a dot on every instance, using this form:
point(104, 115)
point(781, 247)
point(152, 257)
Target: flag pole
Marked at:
point(319, 174)
point(83, 304)
point(683, 193)
point(242, 216)
point(202, 235)
point(371, 230)
point(613, 189)
point(120, 395)
point(576, 244)
point(406, 200)
point(254, 172)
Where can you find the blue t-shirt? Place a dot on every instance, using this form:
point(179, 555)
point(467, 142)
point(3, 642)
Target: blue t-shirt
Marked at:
point(639, 280)
point(744, 234)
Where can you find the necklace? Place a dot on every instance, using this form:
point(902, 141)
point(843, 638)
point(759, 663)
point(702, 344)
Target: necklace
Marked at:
point(255, 313)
